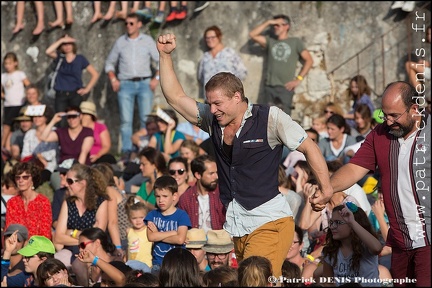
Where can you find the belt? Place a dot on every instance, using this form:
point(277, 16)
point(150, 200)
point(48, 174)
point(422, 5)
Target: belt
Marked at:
point(136, 79)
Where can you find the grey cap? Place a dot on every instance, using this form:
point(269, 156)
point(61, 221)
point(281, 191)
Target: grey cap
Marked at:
point(22, 231)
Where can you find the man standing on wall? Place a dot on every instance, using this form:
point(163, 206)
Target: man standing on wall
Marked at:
point(133, 52)
point(283, 53)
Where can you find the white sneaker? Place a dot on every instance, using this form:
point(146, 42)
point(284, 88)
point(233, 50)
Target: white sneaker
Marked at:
point(408, 6)
point(397, 4)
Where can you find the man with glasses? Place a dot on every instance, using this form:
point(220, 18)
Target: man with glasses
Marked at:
point(400, 149)
point(201, 201)
point(133, 54)
point(283, 53)
point(37, 250)
point(218, 248)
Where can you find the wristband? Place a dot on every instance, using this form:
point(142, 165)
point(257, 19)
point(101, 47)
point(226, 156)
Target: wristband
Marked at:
point(74, 233)
point(299, 77)
point(118, 247)
point(5, 262)
point(157, 77)
point(310, 258)
point(95, 260)
point(351, 206)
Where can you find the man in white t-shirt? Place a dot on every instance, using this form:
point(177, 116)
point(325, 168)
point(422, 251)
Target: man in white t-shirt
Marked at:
point(201, 201)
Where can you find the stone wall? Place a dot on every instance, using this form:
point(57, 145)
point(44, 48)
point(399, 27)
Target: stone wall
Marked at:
point(333, 32)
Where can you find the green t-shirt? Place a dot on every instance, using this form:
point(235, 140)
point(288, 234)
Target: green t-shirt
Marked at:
point(142, 192)
point(282, 58)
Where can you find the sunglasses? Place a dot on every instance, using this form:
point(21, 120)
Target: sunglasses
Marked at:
point(72, 116)
point(83, 245)
point(71, 181)
point(328, 111)
point(179, 171)
point(129, 23)
point(24, 177)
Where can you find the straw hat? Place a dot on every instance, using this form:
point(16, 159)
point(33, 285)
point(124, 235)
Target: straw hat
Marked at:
point(196, 238)
point(218, 242)
point(22, 115)
point(88, 107)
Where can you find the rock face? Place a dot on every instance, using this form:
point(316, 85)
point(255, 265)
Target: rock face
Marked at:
point(344, 38)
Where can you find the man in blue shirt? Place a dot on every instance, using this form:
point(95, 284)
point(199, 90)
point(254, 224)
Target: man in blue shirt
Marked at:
point(133, 53)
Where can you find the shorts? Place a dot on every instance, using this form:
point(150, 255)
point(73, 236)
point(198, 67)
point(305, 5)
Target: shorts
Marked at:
point(10, 113)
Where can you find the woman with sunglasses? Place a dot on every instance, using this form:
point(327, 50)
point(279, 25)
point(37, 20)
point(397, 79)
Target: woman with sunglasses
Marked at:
point(86, 207)
point(95, 252)
point(75, 140)
point(29, 208)
point(152, 165)
point(178, 169)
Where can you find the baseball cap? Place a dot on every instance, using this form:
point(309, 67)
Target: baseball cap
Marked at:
point(37, 244)
point(22, 231)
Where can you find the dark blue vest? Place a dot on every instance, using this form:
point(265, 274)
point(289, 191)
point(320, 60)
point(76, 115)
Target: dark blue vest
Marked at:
point(251, 176)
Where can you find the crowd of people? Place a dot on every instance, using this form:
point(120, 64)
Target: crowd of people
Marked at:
point(211, 201)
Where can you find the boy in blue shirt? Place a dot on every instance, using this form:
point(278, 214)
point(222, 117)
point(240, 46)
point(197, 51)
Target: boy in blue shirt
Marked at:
point(167, 225)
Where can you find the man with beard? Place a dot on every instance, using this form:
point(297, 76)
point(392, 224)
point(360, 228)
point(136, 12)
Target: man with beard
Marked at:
point(400, 149)
point(201, 201)
point(218, 247)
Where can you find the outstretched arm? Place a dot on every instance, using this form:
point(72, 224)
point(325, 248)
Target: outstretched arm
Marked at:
point(171, 87)
point(319, 168)
point(341, 180)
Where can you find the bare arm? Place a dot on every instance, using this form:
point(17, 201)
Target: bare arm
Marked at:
point(94, 77)
point(255, 34)
point(51, 51)
point(154, 236)
point(171, 88)
point(379, 210)
point(112, 272)
point(85, 149)
point(372, 243)
point(113, 227)
point(102, 216)
point(341, 180)
point(179, 238)
point(308, 61)
point(48, 135)
point(318, 166)
point(61, 237)
point(136, 136)
point(106, 145)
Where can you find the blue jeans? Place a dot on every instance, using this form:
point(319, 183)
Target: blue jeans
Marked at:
point(129, 91)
